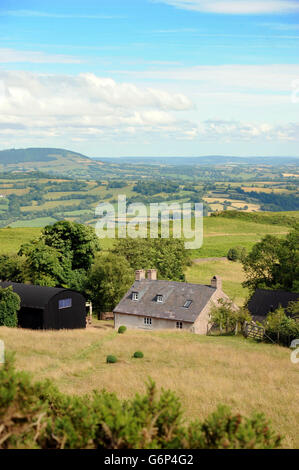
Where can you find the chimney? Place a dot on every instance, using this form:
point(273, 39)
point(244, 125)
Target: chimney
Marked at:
point(152, 274)
point(139, 275)
point(216, 282)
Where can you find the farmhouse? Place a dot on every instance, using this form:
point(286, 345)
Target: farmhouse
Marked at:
point(153, 304)
point(264, 301)
point(48, 307)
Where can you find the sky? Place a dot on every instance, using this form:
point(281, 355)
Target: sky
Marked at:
point(110, 78)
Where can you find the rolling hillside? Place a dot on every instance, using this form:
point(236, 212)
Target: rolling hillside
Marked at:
point(48, 160)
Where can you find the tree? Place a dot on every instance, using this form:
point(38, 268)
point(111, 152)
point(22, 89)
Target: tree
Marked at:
point(12, 268)
point(109, 279)
point(9, 306)
point(281, 327)
point(225, 315)
point(167, 255)
point(72, 239)
point(237, 253)
point(45, 265)
point(274, 263)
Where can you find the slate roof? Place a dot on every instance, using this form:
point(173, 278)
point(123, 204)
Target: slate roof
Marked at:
point(31, 295)
point(264, 301)
point(174, 295)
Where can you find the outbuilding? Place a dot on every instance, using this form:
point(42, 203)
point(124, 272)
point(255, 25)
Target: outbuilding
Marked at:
point(265, 301)
point(49, 308)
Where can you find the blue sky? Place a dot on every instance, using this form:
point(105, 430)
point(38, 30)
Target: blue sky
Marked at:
point(150, 77)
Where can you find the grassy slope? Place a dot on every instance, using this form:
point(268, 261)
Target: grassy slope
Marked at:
point(203, 370)
point(231, 273)
point(12, 238)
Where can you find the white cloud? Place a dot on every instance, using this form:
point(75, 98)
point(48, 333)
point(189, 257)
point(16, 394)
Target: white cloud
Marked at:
point(237, 7)
point(281, 26)
point(84, 105)
point(217, 78)
point(41, 108)
point(12, 55)
point(215, 130)
point(45, 14)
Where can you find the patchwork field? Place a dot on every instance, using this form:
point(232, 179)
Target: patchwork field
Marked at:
point(204, 370)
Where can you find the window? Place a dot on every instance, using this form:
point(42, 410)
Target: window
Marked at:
point(64, 303)
point(147, 321)
point(159, 298)
point(179, 324)
point(134, 295)
point(187, 303)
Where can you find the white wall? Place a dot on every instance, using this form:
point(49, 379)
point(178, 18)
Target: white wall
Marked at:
point(134, 321)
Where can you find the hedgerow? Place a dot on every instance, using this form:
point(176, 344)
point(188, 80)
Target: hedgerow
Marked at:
point(37, 415)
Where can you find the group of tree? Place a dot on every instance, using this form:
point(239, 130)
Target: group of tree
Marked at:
point(274, 263)
point(282, 325)
point(67, 254)
point(237, 253)
point(149, 188)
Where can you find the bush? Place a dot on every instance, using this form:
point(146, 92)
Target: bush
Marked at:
point(138, 354)
point(38, 416)
point(122, 329)
point(9, 306)
point(111, 359)
point(281, 328)
point(236, 254)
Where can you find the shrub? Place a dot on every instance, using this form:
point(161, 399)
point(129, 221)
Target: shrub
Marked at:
point(138, 354)
point(9, 305)
point(111, 359)
point(237, 253)
point(37, 415)
point(122, 329)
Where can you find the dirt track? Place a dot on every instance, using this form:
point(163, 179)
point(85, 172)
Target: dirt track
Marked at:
point(204, 260)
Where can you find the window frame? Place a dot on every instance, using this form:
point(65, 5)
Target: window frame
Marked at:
point(179, 325)
point(147, 321)
point(187, 303)
point(135, 296)
point(159, 298)
point(60, 301)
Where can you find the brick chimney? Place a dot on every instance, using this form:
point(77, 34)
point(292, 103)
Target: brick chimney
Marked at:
point(216, 282)
point(152, 274)
point(139, 275)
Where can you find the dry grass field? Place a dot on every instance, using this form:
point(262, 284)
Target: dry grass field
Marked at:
point(203, 370)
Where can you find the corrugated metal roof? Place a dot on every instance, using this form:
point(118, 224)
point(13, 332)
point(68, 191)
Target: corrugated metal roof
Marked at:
point(174, 295)
point(264, 301)
point(31, 295)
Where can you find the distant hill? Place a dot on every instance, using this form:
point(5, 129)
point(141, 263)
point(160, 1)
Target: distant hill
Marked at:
point(205, 160)
point(50, 160)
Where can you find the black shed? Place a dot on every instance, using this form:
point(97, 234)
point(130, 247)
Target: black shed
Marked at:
point(264, 301)
point(49, 308)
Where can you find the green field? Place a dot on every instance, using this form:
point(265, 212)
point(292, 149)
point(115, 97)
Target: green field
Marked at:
point(12, 238)
point(203, 370)
point(38, 222)
point(230, 272)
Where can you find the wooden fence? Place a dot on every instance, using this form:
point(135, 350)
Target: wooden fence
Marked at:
point(251, 330)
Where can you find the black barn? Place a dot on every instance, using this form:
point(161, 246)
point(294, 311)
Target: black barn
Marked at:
point(49, 308)
point(265, 301)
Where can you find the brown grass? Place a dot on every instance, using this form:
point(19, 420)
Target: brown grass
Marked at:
point(204, 371)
